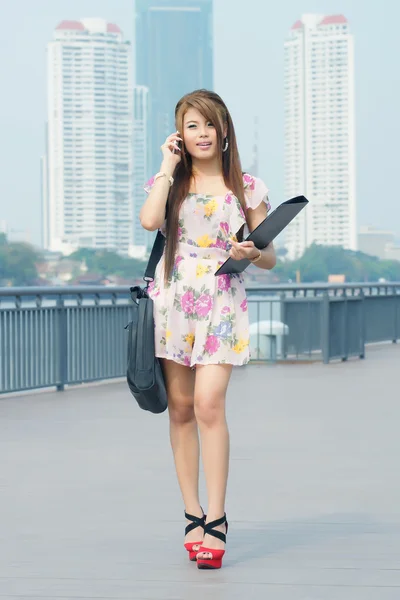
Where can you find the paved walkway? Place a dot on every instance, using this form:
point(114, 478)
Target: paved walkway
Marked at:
point(89, 506)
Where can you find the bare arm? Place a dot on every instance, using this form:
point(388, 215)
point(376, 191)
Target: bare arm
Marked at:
point(254, 218)
point(266, 258)
point(152, 213)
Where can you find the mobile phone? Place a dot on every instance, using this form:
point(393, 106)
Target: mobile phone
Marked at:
point(177, 146)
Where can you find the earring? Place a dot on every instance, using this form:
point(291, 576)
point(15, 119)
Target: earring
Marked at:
point(225, 148)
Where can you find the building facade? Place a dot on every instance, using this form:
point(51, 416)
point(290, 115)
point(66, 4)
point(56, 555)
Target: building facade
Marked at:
point(88, 200)
point(174, 56)
point(319, 132)
point(141, 169)
point(375, 241)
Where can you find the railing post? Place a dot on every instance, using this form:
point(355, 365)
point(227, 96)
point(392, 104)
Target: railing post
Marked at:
point(283, 320)
point(62, 344)
point(325, 331)
point(345, 336)
point(396, 300)
point(362, 324)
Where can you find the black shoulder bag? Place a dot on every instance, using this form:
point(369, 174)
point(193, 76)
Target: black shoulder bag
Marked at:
point(144, 373)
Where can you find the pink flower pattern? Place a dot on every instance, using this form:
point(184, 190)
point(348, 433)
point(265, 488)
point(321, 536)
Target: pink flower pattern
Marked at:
point(152, 290)
point(224, 282)
point(220, 243)
point(187, 302)
point(203, 305)
point(178, 259)
point(225, 227)
point(205, 317)
point(249, 181)
point(212, 344)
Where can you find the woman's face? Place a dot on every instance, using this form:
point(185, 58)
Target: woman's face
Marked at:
point(199, 136)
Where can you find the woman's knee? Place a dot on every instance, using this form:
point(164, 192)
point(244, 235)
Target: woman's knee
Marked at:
point(209, 410)
point(181, 409)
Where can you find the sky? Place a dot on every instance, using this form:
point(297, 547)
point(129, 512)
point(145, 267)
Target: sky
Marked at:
point(248, 74)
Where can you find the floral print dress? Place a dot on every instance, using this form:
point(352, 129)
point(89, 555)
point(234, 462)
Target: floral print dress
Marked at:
point(201, 318)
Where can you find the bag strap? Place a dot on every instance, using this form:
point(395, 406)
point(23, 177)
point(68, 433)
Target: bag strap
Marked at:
point(156, 253)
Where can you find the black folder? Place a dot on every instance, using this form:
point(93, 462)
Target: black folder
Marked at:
point(266, 232)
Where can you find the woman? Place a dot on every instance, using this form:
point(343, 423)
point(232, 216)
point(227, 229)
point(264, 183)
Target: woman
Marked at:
point(201, 320)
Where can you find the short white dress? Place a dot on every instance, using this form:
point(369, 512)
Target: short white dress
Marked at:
point(200, 318)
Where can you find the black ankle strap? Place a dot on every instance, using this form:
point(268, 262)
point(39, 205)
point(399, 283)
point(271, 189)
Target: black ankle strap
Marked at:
point(196, 522)
point(209, 528)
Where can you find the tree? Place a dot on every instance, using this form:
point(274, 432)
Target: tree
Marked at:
point(17, 263)
point(108, 263)
point(318, 262)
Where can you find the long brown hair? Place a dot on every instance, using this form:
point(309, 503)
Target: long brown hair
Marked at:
point(212, 107)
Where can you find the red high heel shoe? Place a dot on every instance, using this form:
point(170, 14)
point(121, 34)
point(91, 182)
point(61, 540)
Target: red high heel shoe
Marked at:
point(216, 561)
point(196, 522)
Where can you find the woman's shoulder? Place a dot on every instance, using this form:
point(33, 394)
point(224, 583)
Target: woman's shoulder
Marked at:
point(255, 191)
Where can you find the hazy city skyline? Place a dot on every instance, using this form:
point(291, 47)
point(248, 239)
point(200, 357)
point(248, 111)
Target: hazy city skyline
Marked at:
point(248, 73)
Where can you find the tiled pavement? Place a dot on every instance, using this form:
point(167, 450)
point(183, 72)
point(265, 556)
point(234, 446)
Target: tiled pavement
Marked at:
point(89, 505)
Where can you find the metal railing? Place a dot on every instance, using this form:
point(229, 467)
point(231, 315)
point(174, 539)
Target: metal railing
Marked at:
point(324, 321)
point(57, 336)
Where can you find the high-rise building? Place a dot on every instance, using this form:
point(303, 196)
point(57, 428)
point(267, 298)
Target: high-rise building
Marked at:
point(141, 168)
point(174, 56)
point(89, 138)
point(319, 132)
point(375, 241)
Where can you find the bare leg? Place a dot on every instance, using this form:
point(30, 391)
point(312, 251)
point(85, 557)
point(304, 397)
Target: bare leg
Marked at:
point(209, 405)
point(184, 437)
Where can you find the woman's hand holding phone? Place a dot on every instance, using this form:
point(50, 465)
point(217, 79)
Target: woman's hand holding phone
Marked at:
point(171, 150)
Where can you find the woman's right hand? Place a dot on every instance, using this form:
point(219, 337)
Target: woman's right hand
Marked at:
point(171, 151)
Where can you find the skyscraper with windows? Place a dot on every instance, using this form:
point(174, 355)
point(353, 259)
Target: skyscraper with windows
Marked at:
point(174, 55)
point(319, 132)
point(141, 157)
point(89, 138)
